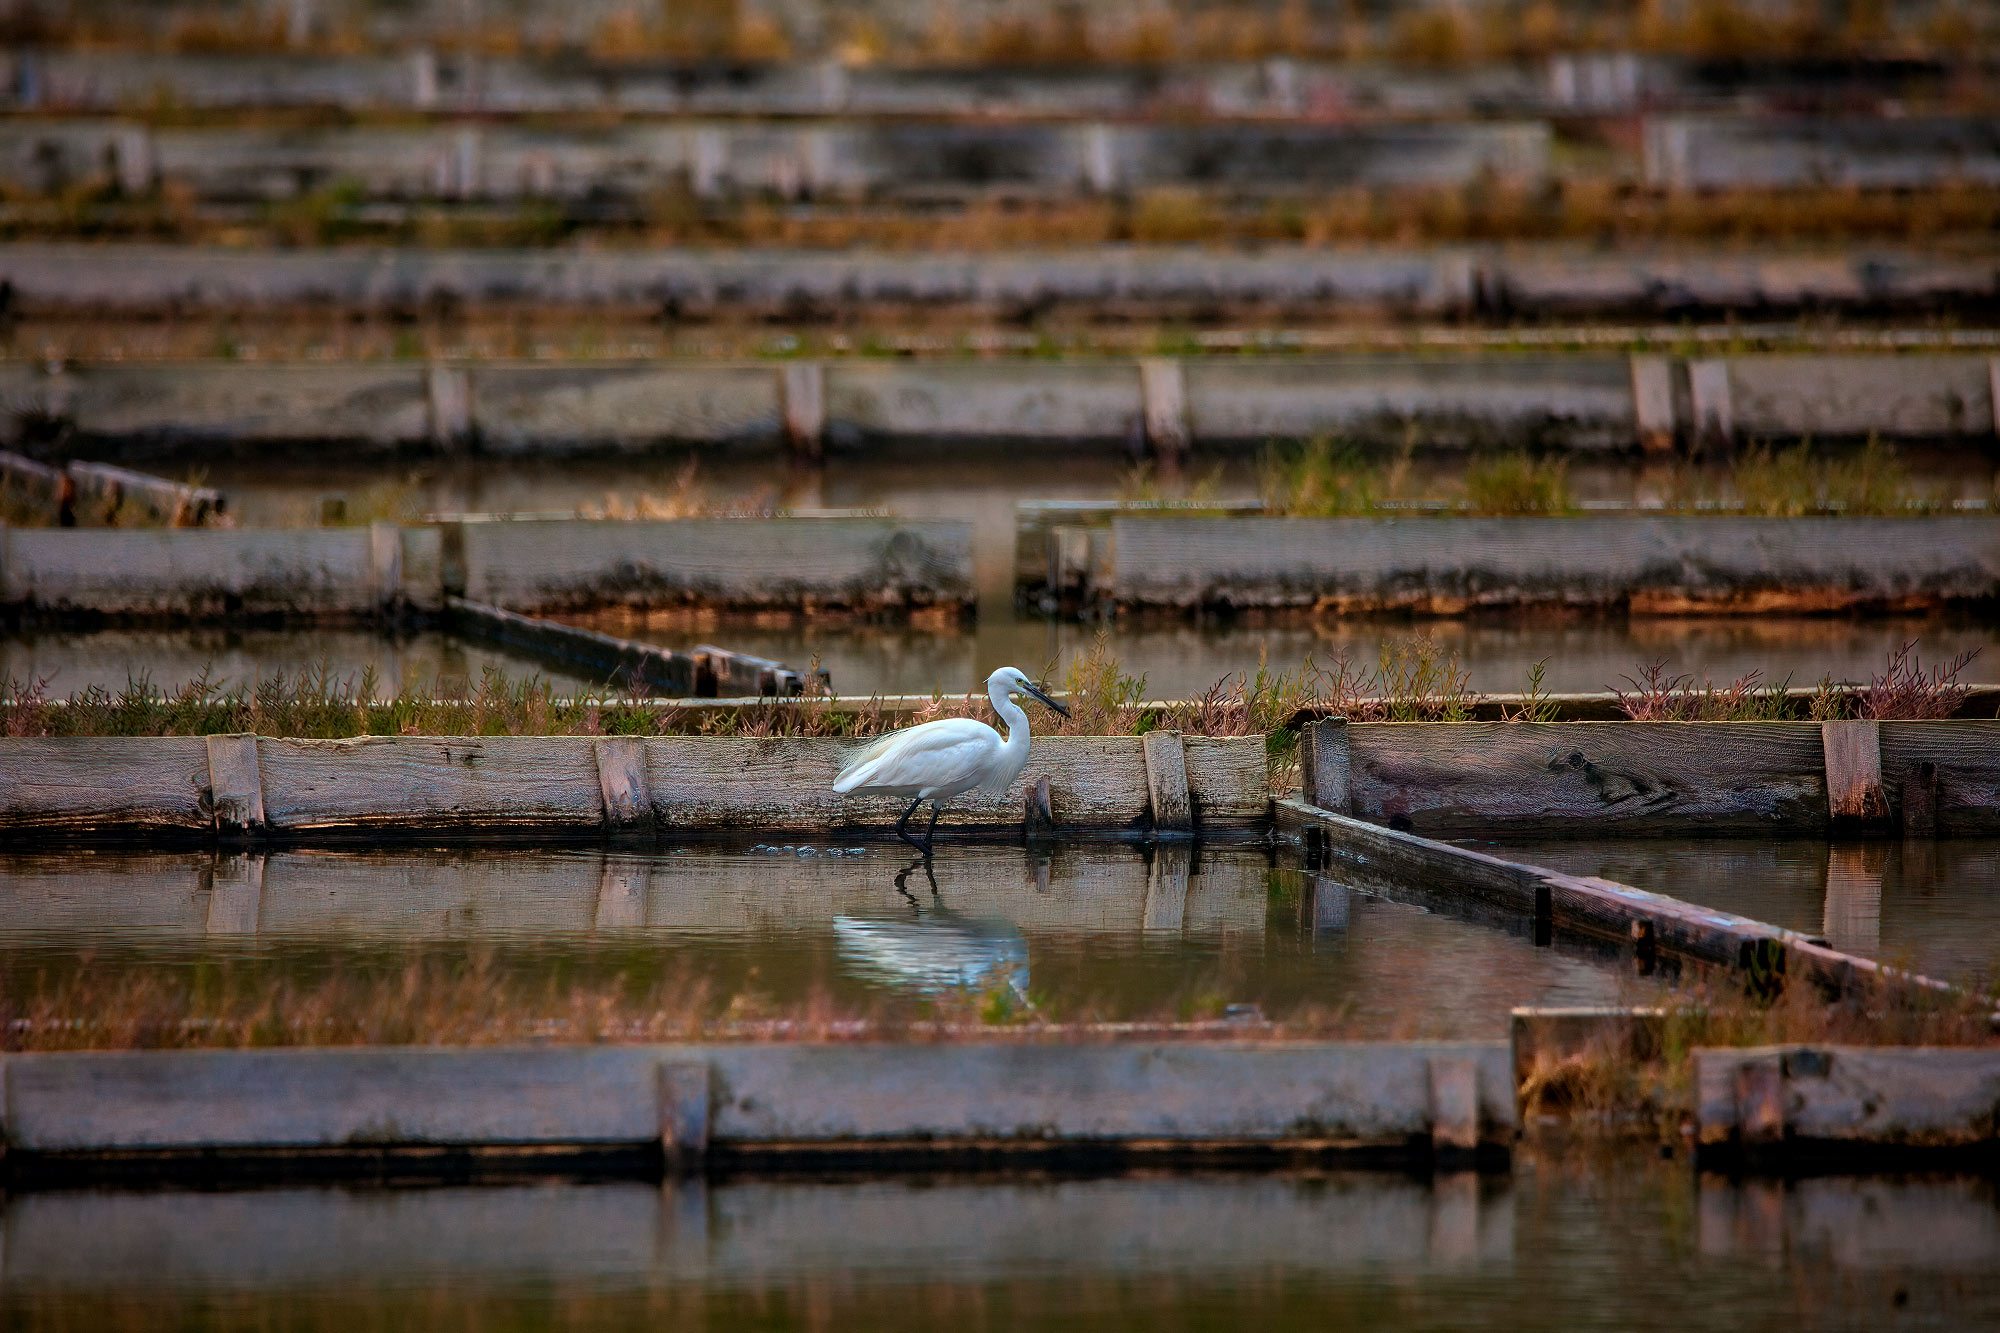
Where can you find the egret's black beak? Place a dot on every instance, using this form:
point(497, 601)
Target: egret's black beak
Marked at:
point(1044, 698)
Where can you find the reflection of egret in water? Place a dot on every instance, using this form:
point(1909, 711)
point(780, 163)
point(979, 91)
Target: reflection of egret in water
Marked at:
point(933, 949)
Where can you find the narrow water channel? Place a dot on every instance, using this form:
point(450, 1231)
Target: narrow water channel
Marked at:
point(1082, 931)
point(1615, 1241)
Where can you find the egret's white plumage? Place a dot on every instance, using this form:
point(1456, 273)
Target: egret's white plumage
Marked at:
point(942, 760)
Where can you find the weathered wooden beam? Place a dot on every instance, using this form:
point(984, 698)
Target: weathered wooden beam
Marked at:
point(1956, 762)
point(1434, 778)
point(1397, 864)
point(1017, 1100)
point(555, 786)
point(1769, 1103)
point(1642, 563)
point(1854, 770)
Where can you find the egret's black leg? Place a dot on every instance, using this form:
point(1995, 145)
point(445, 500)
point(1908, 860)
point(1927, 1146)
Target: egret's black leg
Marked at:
point(903, 827)
point(936, 810)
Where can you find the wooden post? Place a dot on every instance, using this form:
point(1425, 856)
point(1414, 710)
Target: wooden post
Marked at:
point(236, 786)
point(1167, 889)
point(1323, 764)
point(385, 564)
point(1040, 820)
point(1454, 1105)
point(1854, 770)
point(1653, 403)
point(684, 1099)
point(1993, 389)
point(1167, 784)
point(448, 394)
point(1920, 800)
point(621, 778)
point(1163, 401)
point(1760, 1102)
point(802, 395)
point(1714, 417)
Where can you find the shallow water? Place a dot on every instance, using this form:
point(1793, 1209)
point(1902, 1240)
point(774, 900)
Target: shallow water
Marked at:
point(1095, 930)
point(1178, 660)
point(1931, 905)
point(1614, 1242)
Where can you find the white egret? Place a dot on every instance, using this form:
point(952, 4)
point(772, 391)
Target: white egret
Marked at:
point(941, 760)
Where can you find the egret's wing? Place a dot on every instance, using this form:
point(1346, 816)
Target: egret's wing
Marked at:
point(936, 754)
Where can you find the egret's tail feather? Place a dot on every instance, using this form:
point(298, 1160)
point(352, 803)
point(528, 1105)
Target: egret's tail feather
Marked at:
point(855, 772)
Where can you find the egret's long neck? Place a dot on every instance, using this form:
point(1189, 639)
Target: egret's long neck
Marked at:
point(1017, 721)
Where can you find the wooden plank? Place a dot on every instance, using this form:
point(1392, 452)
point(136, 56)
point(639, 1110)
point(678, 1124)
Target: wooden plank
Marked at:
point(543, 566)
point(117, 786)
point(235, 785)
point(1324, 765)
point(717, 782)
point(1547, 1034)
point(499, 784)
point(1229, 778)
point(1472, 777)
point(1853, 770)
point(1964, 755)
point(775, 1094)
point(1853, 1096)
point(611, 659)
point(1653, 564)
point(1167, 783)
point(621, 779)
point(1402, 865)
point(127, 786)
point(192, 572)
point(1370, 856)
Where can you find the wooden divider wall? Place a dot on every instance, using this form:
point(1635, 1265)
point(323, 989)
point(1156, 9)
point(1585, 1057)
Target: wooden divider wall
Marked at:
point(251, 788)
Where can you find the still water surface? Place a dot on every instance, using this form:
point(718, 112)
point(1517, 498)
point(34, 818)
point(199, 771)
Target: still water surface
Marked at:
point(1178, 660)
point(1089, 930)
point(1590, 1241)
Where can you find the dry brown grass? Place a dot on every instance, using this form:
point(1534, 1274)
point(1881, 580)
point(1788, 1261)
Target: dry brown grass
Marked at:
point(1590, 208)
point(1645, 1088)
